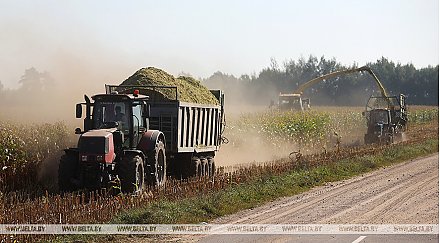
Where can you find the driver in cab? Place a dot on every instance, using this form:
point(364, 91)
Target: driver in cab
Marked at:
point(119, 116)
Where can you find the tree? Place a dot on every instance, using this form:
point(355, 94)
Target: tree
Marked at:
point(33, 80)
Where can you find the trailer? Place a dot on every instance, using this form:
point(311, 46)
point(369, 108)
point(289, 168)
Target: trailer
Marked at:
point(192, 131)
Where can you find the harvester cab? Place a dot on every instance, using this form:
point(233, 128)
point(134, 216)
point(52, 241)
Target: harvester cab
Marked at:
point(116, 146)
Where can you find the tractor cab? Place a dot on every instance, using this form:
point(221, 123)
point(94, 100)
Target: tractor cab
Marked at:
point(386, 118)
point(290, 102)
point(379, 127)
point(379, 116)
point(127, 113)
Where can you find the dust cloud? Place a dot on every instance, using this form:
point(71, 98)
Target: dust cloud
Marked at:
point(47, 174)
point(44, 75)
point(70, 77)
point(252, 148)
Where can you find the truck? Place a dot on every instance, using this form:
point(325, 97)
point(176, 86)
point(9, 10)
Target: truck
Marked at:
point(134, 136)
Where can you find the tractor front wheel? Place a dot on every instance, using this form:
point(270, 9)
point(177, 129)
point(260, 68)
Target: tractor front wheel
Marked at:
point(131, 173)
point(67, 171)
point(157, 165)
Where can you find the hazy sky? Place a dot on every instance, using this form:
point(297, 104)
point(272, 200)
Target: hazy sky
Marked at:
point(112, 39)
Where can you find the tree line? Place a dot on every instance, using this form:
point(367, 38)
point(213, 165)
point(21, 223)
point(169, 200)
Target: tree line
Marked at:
point(419, 85)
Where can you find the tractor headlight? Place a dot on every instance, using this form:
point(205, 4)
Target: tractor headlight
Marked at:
point(99, 158)
point(84, 158)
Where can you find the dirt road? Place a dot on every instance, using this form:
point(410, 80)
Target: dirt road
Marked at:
point(402, 194)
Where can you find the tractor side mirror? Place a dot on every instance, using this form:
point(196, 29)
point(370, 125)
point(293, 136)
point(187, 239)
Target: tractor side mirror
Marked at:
point(78, 110)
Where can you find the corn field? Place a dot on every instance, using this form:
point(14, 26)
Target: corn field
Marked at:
point(307, 132)
point(23, 150)
point(422, 114)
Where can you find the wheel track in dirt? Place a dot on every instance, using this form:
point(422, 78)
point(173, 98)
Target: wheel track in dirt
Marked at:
point(372, 209)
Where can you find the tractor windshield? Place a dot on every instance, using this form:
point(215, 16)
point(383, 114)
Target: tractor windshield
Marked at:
point(379, 116)
point(105, 112)
point(290, 103)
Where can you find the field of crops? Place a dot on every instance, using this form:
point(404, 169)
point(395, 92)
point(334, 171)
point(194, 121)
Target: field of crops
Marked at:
point(311, 129)
point(422, 114)
point(29, 152)
point(25, 150)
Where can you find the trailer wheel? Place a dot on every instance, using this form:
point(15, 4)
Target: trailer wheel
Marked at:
point(131, 174)
point(199, 169)
point(157, 165)
point(211, 166)
point(195, 167)
point(66, 172)
point(204, 166)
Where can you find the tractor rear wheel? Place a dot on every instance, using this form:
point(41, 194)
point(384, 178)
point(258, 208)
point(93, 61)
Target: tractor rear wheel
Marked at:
point(131, 173)
point(157, 164)
point(67, 171)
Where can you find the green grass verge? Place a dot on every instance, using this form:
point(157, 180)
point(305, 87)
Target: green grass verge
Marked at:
point(257, 192)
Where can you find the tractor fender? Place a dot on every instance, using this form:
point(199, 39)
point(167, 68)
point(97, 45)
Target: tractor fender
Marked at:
point(134, 151)
point(72, 152)
point(149, 140)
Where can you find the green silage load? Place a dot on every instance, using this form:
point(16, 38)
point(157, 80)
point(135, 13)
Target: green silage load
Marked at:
point(189, 89)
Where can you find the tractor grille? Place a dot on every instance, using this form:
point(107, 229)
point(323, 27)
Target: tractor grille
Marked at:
point(91, 158)
point(93, 145)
